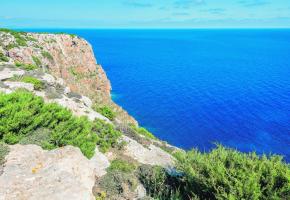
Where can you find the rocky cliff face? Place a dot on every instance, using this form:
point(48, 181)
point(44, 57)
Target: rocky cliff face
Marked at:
point(64, 56)
point(62, 69)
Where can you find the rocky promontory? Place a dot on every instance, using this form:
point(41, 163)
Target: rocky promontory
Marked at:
point(62, 137)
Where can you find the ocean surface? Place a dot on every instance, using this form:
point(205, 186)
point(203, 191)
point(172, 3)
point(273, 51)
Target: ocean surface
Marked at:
point(194, 88)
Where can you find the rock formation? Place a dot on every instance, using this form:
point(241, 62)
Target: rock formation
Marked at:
point(68, 57)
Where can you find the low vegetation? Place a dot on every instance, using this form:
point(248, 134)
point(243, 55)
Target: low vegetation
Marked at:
point(143, 131)
point(47, 55)
point(20, 38)
point(3, 58)
point(3, 152)
point(220, 174)
point(118, 185)
point(121, 165)
point(105, 111)
point(228, 174)
point(158, 183)
point(24, 66)
point(23, 114)
point(37, 84)
point(36, 60)
point(72, 70)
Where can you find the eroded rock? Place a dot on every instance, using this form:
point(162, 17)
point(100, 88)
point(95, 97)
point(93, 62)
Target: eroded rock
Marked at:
point(150, 155)
point(31, 173)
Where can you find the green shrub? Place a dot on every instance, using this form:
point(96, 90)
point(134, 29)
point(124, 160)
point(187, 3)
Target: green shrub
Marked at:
point(121, 165)
point(47, 55)
point(24, 66)
point(3, 58)
point(228, 174)
point(11, 46)
point(28, 38)
point(143, 131)
point(36, 61)
point(20, 37)
point(158, 183)
point(73, 72)
point(4, 150)
point(105, 111)
point(108, 135)
point(38, 84)
point(40, 137)
point(116, 184)
point(22, 113)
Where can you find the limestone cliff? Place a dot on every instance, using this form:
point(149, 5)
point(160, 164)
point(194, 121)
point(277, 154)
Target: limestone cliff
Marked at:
point(61, 69)
point(65, 56)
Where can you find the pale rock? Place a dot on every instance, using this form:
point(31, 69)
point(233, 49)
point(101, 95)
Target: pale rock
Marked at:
point(49, 79)
point(88, 102)
point(152, 155)
point(17, 85)
point(31, 173)
point(5, 90)
point(79, 109)
point(7, 73)
point(100, 163)
point(140, 191)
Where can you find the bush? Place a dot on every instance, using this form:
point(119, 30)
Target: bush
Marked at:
point(228, 174)
point(27, 67)
point(3, 58)
point(38, 84)
point(19, 37)
point(143, 131)
point(22, 113)
point(108, 135)
point(105, 111)
point(47, 55)
point(4, 150)
point(158, 183)
point(122, 165)
point(36, 61)
point(118, 185)
point(40, 137)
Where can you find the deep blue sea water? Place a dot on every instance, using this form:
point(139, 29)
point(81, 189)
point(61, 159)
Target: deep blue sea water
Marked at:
point(196, 87)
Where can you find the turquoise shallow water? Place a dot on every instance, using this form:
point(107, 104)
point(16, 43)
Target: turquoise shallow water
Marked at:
point(196, 87)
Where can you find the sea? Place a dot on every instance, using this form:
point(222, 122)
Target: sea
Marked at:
point(196, 88)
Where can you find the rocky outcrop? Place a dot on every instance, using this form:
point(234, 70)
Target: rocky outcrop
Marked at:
point(68, 57)
point(151, 155)
point(33, 173)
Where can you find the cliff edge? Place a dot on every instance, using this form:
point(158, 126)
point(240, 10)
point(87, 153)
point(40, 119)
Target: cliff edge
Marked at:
point(65, 56)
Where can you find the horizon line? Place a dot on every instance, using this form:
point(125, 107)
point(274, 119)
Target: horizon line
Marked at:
point(146, 28)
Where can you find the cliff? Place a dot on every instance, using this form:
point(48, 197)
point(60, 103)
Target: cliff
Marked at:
point(49, 84)
point(58, 141)
point(65, 56)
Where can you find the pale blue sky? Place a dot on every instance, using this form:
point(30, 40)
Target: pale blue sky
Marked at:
point(144, 13)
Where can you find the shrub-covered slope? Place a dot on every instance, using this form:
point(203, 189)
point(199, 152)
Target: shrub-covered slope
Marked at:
point(38, 108)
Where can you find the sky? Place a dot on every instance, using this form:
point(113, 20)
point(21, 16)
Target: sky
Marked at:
point(145, 13)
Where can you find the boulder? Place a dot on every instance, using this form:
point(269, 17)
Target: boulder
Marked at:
point(31, 173)
point(7, 73)
point(150, 155)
